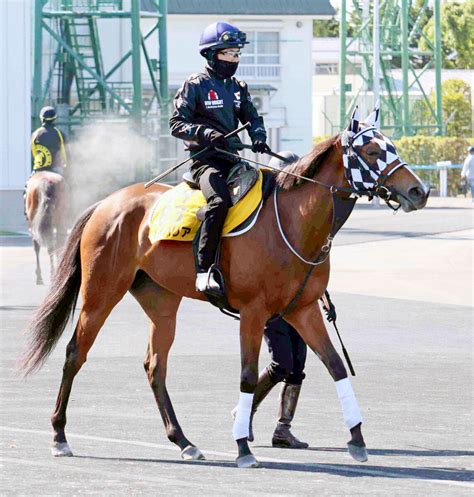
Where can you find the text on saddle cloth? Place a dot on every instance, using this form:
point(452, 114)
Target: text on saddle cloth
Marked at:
point(173, 217)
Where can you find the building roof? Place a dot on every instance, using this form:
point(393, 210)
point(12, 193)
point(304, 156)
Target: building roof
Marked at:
point(247, 7)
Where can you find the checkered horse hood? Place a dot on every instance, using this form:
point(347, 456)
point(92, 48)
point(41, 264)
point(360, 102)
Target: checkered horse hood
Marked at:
point(361, 175)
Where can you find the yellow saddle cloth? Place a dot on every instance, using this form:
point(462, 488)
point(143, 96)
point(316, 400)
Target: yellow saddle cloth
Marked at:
point(174, 215)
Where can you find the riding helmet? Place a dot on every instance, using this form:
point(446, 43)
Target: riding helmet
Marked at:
point(48, 114)
point(221, 35)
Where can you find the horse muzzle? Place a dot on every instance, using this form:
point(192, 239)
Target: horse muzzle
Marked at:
point(414, 199)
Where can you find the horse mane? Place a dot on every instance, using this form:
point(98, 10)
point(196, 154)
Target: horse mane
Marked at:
point(307, 166)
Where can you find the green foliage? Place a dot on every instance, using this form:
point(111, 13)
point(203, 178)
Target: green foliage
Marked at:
point(457, 34)
point(457, 107)
point(324, 28)
point(417, 150)
point(431, 149)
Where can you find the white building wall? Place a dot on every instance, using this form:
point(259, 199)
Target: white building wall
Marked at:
point(15, 102)
point(295, 88)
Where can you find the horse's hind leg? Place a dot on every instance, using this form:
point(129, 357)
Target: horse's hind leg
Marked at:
point(310, 325)
point(39, 278)
point(95, 310)
point(161, 307)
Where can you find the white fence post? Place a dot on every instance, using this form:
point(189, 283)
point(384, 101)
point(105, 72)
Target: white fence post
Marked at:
point(443, 177)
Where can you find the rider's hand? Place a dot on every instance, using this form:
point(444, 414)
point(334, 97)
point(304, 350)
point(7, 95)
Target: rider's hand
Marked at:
point(260, 146)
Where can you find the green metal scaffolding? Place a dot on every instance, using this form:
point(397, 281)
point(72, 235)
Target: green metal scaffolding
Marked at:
point(398, 30)
point(69, 69)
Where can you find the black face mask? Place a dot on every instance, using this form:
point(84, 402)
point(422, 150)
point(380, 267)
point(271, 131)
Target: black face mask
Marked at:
point(222, 68)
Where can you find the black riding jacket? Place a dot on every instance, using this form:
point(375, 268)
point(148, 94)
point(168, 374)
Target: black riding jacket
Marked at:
point(205, 103)
point(47, 148)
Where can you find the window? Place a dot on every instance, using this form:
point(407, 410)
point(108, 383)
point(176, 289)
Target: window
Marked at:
point(326, 68)
point(261, 58)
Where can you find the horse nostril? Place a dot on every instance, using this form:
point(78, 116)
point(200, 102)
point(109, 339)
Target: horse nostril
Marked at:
point(416, 193)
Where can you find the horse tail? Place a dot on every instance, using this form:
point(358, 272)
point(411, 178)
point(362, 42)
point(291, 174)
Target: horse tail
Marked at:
point(52, 316)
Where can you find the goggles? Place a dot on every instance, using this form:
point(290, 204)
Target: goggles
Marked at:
point(233, 37)
point(232, 53)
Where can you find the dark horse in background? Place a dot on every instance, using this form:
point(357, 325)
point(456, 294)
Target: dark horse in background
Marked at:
point(45, 208)
point(109, 254)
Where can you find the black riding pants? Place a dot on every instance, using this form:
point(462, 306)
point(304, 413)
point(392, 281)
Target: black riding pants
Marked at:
point(287, 350)
point(212, 182)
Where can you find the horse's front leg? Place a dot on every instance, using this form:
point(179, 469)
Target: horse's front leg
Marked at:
point(310, 325)
point(251, 332)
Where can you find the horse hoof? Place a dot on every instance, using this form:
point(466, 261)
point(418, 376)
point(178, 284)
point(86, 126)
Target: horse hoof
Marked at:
point(39, 282)
point(248, 461)
point(358, 453)
point(61, 450)
point(192, 453)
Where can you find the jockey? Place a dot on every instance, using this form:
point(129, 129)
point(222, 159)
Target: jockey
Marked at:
point(48, 145)
point(208, 106)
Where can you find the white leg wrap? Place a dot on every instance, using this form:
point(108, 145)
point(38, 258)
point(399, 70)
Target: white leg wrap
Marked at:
point(242, 418)
point(349, 406)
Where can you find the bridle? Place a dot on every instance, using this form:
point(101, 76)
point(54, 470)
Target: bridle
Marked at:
point(352, 160)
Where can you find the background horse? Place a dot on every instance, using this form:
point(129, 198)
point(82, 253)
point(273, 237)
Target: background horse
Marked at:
point(109, 253)
point(45, 207)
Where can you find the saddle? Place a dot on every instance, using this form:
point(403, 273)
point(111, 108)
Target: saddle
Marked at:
point(178, 212)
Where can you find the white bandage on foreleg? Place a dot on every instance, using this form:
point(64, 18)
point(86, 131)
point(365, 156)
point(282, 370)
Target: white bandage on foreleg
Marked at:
point(242, 418)
point(350, 408)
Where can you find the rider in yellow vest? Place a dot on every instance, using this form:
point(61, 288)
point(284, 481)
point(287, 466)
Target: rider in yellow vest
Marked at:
point(48, 145)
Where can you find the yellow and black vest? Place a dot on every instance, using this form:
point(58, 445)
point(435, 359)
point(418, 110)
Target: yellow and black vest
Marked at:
point(47, 147)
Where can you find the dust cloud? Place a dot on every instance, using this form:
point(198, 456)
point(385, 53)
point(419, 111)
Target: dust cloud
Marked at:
point(104, 157)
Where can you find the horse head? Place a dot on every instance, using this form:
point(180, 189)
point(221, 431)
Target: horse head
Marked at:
point(372, 165)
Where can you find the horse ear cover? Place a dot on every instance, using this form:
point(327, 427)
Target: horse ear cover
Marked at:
point(373, 119)
point(355, 120)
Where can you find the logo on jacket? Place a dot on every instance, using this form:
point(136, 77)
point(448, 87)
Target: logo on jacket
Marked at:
point(43, 157)
point(213, 101)
point(237, 100)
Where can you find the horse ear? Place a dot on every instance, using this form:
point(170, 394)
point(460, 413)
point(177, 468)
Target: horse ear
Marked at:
point(373, 119)
point(355, 120)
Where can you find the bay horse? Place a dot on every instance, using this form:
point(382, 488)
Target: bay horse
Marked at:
point(109, 253)
point(45, 208)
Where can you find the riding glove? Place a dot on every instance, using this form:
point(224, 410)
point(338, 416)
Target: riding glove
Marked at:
point(259, 146)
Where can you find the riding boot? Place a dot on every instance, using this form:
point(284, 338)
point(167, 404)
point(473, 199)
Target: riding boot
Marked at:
point(282, 436)
point(263, 388)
